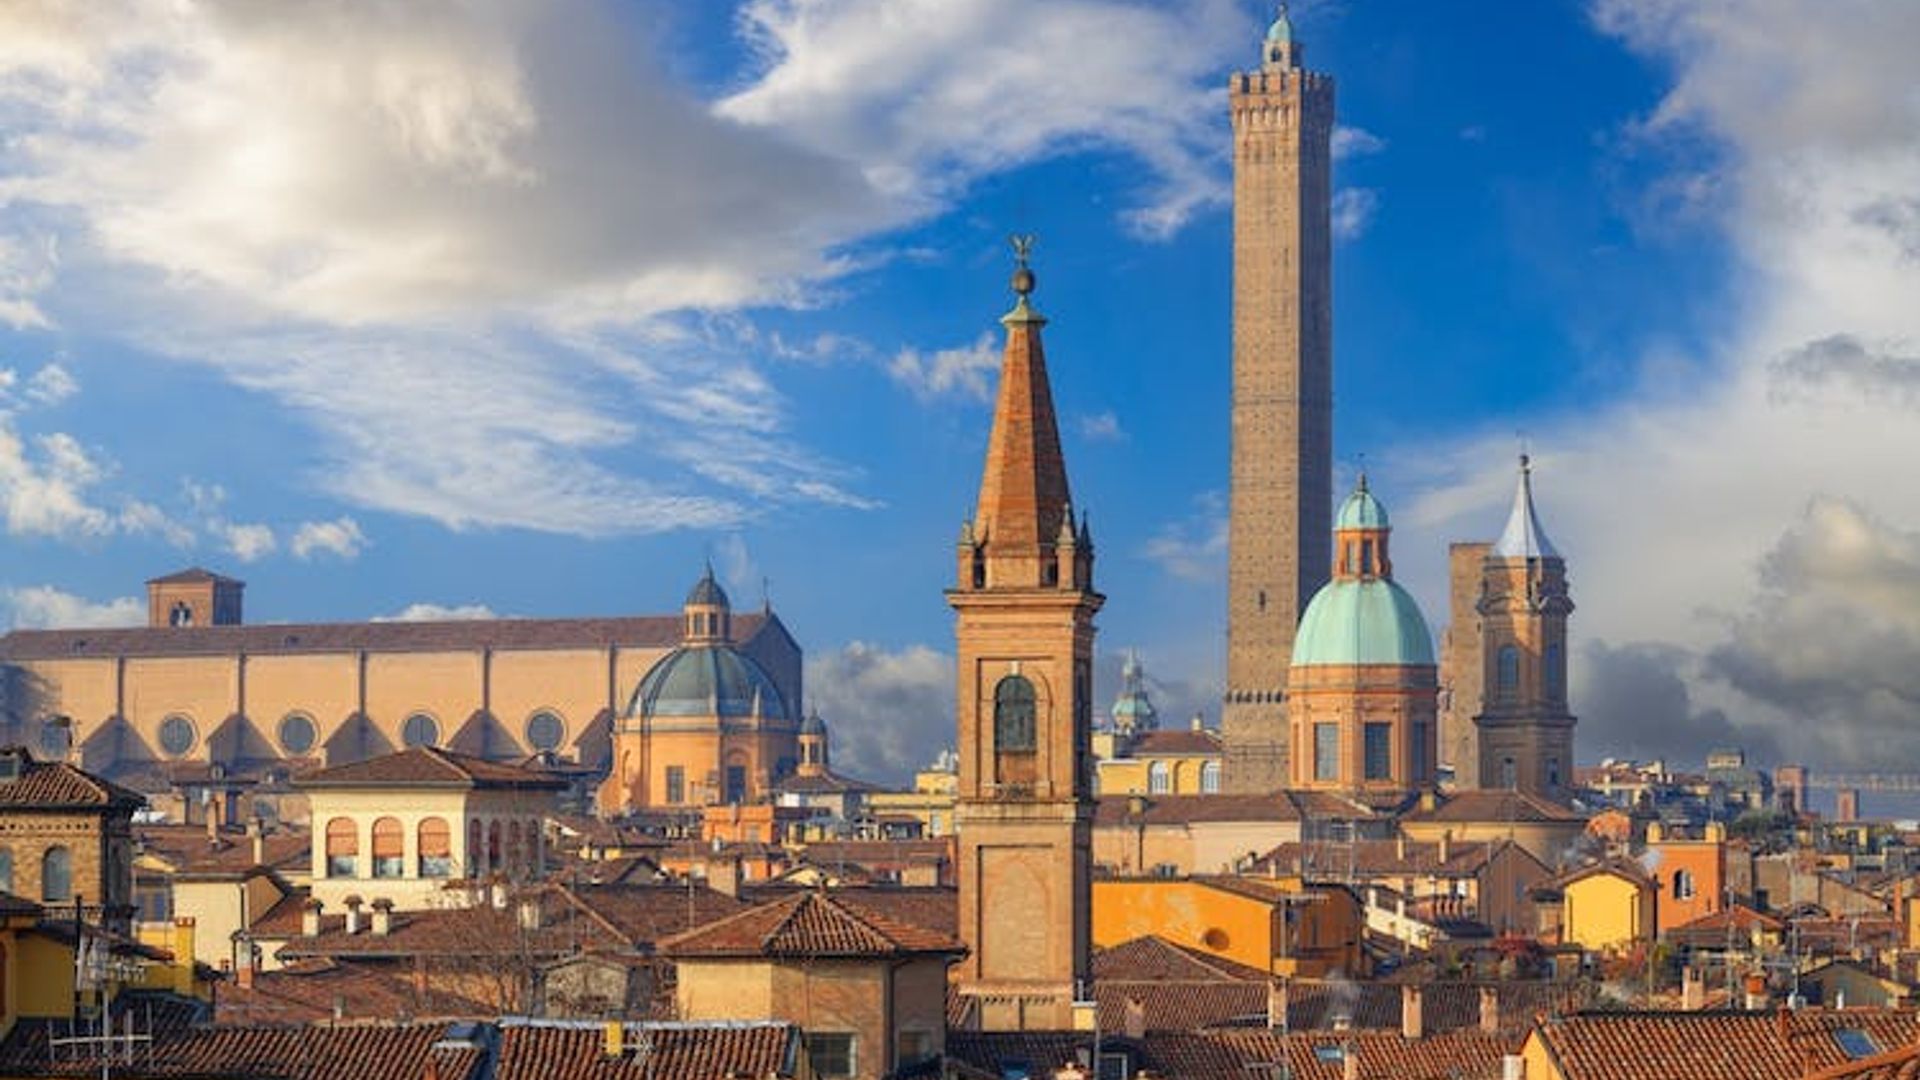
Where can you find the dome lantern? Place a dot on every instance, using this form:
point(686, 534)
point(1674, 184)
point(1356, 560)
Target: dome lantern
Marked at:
point(709, 614)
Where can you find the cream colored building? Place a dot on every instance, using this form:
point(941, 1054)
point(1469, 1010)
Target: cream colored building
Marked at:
point(403, 827)
point(199, 688)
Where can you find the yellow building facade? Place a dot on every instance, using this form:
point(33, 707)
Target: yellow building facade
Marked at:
point(1280, 925)
point(1607, 907)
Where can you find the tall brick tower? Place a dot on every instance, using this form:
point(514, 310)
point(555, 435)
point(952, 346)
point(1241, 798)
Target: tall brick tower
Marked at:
point(1024, 606)
point(1281, 514)
point(1525, 729)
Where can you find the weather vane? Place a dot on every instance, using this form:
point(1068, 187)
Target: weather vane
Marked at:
point(1023, 280)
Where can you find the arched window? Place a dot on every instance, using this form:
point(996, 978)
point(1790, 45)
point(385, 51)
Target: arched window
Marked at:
point(435, 841)
point(1509, 665)
point(1683, 884)
point(389, 848)
point(56, 875)
point(1013, 715)
point(1509, 774)
point(1159, 780)
point(177, 735)
point(343, 847)
point(6, 869)
point(297, 734)
point(1210, 778)
point(475, 842)
point(1556, 665)
point(420, 730)
point(545, 731)
point(493, 848)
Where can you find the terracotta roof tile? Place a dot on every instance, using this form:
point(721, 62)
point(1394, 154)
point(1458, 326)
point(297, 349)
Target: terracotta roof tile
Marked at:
point(1377, 858)
point(934, 907)
point(645, 631)
point(1520, 807)
point(1214, 1054)
point(1174, 742)
point(1718, 1045)
point(548, 1050)
point(430, 766)
point(1155, 959)
point(308, 991)
point(56, 785)
point(365, 1052)
point(809, 924)
point(186, 850)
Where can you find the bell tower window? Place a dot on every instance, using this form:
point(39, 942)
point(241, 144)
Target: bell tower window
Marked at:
point(1013, 714)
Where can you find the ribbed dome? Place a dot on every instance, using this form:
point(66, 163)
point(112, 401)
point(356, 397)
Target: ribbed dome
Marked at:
point(707, 592)
point(1363, 621)
point(706, 680)
point(813, 725)
point(1362, 510)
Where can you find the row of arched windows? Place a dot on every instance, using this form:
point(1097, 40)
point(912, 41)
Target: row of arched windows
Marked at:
point(56, 873)
point(512, 847)
point(1160, 778)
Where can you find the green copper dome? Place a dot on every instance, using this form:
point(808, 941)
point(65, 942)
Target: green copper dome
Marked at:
point(707, 680)
point(1362, 510)
point(1355, 621)
point(1282, 29)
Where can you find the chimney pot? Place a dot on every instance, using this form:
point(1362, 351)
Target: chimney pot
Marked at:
point(1413, 1021)
point(310, 918)
point(1489, 1010)
point(382, 916)
point(353, 913)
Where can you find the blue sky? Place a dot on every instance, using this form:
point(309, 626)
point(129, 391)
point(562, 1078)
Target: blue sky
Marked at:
point(456, 305)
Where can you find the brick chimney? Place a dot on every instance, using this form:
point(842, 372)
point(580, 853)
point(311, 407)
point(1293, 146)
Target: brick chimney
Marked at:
point(1693, 989)
point(353, 913)
point(310, 917)
point(1489, 1010)
point(723, 875)
point(1277, 1001)
point(1350, 1062)
point(1413, 1020)
point(382, 916)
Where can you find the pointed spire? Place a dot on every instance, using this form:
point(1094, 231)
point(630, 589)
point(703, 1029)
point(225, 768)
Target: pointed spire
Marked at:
point(1523, 537)
point(1023, 492)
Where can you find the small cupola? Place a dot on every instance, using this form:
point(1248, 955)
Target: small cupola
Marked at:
point(709, 615)
point(813, 745)
point(1360, 537)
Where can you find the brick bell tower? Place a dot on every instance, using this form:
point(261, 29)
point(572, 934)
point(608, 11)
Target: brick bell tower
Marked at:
point(1024, 606)
point(1280, 519)
point(1525, 728)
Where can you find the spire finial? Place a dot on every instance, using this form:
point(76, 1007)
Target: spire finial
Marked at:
point(1023, 279)
point(1360, 484)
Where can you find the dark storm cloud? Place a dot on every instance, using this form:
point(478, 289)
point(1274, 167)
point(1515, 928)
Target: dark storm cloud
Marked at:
point(1634, 703)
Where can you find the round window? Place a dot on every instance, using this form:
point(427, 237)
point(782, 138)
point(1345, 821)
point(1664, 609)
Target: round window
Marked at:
point(177, 735)
point(545, 731)
point(297, 734)
point(420, 730)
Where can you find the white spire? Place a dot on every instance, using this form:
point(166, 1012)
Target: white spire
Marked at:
point(1523, 537)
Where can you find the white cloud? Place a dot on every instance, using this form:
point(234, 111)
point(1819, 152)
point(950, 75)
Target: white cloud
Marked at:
point(454, 240)
point(928, 94)
point(1194, 548)
point(51, 385)
point(1102, 427)
point(248, 543)
point(340, 537)
point(966, 371)
point(1669, 500)
point(425, 612)
point(1351, 142)
point(1353, 210)
point(45, 486)
point(887, 712)
point(40, 607)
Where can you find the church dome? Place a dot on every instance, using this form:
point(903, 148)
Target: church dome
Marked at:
point(813, 725)
point(707, 592)
point(1362, 510)
point(1363, 621)
point(707, 680)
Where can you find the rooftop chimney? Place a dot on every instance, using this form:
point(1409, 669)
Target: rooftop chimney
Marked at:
point(1412, 1015)
point(1513, 1067)
point(353, 913)
point(1277, 1002)
point(382, 916)
point(616, 1039)
point(1136, 1020)
point(1693, 989)
point(1350, 1062)
point(1446, 847)
point(1489, 1010)
point(310, 917)
point(723, 876)
point(529, 911)
point(259, 837)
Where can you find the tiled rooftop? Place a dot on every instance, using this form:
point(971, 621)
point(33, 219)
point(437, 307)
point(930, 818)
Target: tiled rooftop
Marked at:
point(56, 785)
point(1721, 1045)
point(809, 924)
point(430, 766)
point(538, 1050)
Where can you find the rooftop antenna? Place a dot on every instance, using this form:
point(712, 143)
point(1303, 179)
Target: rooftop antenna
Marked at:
point(766, 593)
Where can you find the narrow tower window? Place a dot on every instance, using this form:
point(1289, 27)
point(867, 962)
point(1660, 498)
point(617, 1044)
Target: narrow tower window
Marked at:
point(1013, 702)
point(1509, 663)
point(1326, 751)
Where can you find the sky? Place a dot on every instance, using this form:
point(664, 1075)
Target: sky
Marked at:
point(454, 309)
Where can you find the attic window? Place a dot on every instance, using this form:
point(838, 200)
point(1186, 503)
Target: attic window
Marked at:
point(1856, 1044)
point(1331, 1053)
